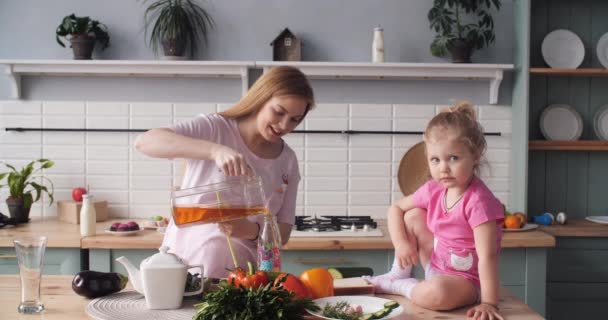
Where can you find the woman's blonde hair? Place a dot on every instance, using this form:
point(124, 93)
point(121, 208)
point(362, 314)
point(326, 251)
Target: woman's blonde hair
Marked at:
point(278, 81)
point(462, 118)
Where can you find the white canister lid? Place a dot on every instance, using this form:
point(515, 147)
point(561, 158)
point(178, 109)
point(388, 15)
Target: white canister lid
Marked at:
point(163, 259)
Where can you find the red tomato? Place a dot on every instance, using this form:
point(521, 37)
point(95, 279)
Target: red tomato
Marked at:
point(293, 284)
point(77, 193)
point(319, 281)
point(251, 279)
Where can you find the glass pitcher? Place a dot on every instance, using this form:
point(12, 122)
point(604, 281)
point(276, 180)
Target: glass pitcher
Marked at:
point(234, 198)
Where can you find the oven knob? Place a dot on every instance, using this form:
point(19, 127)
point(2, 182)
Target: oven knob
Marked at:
point(366, 227)
point(353, 228)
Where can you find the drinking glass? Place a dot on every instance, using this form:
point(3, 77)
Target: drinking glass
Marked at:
point(30, 257)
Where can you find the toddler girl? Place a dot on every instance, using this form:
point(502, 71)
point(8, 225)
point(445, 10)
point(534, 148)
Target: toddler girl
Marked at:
point(451, 223)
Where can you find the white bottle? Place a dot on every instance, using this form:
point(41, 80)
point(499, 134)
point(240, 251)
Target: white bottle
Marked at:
point(378, 45)
point(88, 216)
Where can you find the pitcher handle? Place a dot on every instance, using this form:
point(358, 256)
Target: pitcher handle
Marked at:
point(200, 267)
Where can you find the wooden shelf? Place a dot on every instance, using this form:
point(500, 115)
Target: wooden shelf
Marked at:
point(570, 72)
point(579, 145)
point(493, 73)
point(125, 68)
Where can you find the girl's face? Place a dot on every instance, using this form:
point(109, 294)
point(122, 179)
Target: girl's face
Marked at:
point(451, 162)
point(279, 116)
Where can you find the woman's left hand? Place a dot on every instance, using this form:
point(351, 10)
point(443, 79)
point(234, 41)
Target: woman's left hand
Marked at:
point(240, 228)
point(484, 311)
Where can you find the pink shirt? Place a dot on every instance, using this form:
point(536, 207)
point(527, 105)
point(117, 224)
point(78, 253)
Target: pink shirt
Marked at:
point(454, 248)
point(204, 243)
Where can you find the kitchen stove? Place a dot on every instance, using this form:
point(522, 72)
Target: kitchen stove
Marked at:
point(335, 226)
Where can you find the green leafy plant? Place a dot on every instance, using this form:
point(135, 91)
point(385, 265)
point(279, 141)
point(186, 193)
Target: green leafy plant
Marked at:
point(73, 26)
point(177, 19)
point(469, 21)
point(21, 182)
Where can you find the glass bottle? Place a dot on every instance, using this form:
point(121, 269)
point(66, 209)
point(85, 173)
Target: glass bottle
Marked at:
point(88, 216)
point(269, 245)
point(378, 45)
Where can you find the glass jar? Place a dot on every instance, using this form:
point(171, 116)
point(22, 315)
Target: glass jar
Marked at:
point(234, 198)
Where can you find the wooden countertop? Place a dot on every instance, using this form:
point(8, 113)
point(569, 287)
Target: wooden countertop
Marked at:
point(60, 234)
point(150, 239)
point(577, 228)
point(61, 303)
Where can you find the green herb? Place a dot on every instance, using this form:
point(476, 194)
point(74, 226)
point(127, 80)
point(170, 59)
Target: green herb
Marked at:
point(193, 282)
point(267, 302)
point(339, 311)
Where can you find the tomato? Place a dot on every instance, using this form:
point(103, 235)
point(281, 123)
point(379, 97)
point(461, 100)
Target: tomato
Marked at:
point(319, 281)
point(77, 193)
point(251, 279)
point(293, 284)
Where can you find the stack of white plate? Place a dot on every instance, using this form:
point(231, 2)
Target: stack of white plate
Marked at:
point(561, 122)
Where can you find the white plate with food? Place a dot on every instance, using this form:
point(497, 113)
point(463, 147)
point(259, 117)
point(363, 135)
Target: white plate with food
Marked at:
point(598, 219)
point(563, 49)
point(122, 233)
point(526, 227)
point(600, 122)
point(602, 50)
point(365, 304)
point(561, 122)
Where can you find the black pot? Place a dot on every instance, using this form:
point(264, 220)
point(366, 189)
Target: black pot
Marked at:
point(18, 211)
point(174, 47)
point(461, 51)
point(82, 46)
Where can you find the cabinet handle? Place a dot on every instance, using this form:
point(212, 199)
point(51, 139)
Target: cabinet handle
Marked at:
point(2, 256)
point(319, 261)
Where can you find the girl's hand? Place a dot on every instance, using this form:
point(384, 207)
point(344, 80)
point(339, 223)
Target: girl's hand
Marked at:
point(406, 254)
point(231, 163)
point(484, 311)
point(240, 228)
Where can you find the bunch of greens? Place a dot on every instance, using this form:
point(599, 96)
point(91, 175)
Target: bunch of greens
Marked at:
point(339, 311)
point(267, 302)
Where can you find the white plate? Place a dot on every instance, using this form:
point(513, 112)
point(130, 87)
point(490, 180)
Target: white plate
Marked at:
point(602, 50)
point(600, 123)
point(122, 233)
point(526, 227)
point(598, 219)
point(367, 303)
point(561, 122)
point(563, 49)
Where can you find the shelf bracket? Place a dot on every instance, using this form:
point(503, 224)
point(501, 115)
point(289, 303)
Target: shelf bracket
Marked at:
point(14, 80)
point(494, 86)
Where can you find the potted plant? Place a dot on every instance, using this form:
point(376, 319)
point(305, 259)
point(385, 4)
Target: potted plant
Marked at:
point(462, 26)
point(83, 32)
point(176, 24)
point(21, 183)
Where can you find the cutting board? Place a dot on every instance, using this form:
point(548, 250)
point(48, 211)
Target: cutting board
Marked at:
point(352, 286)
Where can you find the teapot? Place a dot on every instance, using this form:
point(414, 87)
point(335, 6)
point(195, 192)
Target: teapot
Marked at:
point(161, 278)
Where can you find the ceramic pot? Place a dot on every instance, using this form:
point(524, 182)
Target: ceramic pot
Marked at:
point(461, 51)
point(17, 210)
point(174, 48)
point(82, 46)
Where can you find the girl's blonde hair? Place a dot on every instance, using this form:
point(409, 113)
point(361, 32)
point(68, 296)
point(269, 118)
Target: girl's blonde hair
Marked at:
point(278, 81)
point(462, 118)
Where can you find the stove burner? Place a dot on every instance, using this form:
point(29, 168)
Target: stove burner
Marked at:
point(334, 223)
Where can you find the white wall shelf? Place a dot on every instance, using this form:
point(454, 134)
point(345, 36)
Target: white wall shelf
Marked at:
point(401, 71)
point(15, 69)
point(493, 73)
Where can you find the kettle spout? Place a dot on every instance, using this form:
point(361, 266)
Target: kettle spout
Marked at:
point(134, 274)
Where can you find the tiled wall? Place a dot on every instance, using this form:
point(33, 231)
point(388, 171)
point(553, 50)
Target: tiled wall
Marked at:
point(342, 174)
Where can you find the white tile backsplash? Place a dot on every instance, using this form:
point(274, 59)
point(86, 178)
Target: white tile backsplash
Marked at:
point(341, 174)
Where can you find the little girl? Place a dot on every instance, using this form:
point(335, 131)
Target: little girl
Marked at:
point(451, 223)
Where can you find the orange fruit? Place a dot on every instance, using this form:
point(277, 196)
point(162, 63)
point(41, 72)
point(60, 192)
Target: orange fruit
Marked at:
point(522, 217)
point(512, 222)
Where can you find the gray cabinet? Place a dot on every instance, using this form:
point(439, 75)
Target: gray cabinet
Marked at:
point(64, 261)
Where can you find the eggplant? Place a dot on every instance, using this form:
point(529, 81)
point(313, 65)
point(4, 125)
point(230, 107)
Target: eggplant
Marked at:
point(94, 284)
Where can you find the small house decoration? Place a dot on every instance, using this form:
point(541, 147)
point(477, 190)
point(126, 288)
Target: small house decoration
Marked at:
point(286, 47)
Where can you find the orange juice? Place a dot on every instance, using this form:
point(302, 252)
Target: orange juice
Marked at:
point(192, 214)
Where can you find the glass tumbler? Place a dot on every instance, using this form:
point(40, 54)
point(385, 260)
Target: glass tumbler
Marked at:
point(30, 257)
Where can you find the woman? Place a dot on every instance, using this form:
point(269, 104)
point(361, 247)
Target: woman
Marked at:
point(243, 140)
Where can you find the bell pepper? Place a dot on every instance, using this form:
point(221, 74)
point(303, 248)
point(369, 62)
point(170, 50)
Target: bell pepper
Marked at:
point(248, 279)
point(291, 283)
point(319, 281)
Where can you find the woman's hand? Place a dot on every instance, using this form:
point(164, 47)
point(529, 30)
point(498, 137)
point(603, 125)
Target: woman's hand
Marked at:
point(231, 163)
point(240, 228)
point(484, 311)
point(406, 253)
